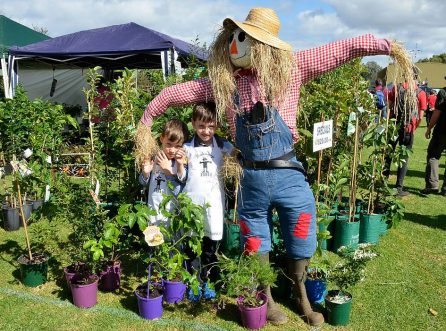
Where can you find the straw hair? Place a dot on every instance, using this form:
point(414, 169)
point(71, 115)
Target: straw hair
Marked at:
point(272, 66)
point(145, 145)
point(406, 69)
point(231, 168)
point(261, 24)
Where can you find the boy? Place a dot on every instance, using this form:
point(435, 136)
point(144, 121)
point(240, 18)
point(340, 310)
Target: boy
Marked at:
point(204, 155)
point(157, 173)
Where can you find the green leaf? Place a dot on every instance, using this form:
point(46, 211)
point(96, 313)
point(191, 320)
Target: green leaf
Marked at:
point(89, 243)
point(132, 221)
point(142, 223)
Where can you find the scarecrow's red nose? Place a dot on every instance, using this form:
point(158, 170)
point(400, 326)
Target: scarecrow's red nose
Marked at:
point(233, 48)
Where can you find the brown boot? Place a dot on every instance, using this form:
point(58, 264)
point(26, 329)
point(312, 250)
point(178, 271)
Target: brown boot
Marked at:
point(298, 273)
point(274, 315)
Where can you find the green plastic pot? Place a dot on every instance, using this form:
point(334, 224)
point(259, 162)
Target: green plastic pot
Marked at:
point(35, 272)
point(346, 233)
point(338, 313)
point(327, 244)
point(370, 228)
point(231, 239)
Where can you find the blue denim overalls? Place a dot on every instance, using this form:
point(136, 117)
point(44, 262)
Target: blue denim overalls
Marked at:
point(284, 189)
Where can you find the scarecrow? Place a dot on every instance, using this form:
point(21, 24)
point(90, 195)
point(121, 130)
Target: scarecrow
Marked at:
point(255, 78)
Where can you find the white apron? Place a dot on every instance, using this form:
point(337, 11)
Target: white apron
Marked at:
point(158, 186)
point(203, 185)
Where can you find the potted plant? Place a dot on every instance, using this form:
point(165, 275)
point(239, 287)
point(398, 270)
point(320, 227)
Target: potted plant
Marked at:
point(316, 281)
point(245, 278)
point(349, 271)
point(115, 240)
point(184, 228)
point(150, 294)
point(84, 287)
point(347, 222)
point(33, 266)
point(327, 205)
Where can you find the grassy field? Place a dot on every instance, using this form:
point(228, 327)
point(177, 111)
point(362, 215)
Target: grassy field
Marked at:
point(401, 285)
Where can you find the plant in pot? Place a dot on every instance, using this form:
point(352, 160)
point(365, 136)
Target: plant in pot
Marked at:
point(150, 294)
point(346, 273)
point(88, 221)
point(115, 240)
point(33, 266)
point(245, 278)
point(328, 203)
point(371, 178)
point(346, 225)
point(183, 230)
point(316, 282)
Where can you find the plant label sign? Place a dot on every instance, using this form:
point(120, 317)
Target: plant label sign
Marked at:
point(322, 135)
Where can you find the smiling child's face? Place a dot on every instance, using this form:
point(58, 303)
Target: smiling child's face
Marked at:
point(204, 130)
point(170, 147)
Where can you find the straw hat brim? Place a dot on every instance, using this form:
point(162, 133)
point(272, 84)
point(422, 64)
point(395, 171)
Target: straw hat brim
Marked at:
point(259, 34)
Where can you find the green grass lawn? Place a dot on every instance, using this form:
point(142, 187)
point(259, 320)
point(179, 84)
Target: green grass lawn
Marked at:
point(401, 284)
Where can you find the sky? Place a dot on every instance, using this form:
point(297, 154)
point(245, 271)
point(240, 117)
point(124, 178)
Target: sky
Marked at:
point(420, 25)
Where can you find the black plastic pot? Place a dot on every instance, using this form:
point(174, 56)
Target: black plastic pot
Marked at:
point(37, 204)
point(11, 219)
point(27, 209)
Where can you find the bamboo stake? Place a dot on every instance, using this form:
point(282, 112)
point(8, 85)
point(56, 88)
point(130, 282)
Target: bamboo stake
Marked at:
point(319, 163)
point(234, 220)
point(370, 206)
point(353, 180)
point(25, 227)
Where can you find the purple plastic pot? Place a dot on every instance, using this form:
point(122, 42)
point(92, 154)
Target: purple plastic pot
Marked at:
point(110, 277)
point(70, 274)
point(174, 291)
point(150, 308)
point(85, 296)
point(253, 317)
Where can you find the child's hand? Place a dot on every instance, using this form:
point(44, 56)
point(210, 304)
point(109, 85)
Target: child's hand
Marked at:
point(180, 156)
point(164, 163)
point(147, 167)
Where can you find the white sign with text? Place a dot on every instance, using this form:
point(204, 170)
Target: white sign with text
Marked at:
point(322, 135)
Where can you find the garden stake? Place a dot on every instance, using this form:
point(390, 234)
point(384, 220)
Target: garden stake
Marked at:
point(353, 180)
point(387, 131)
point(234, 220)
point(148, 280)
point(370, 206)
point(24, 222)
point(319, 162)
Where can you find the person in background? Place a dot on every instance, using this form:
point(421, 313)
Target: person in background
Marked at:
point(406, 130)
point(436, 146)
point(430, 105)
point(381, 92)
point(156, 173)
point(204, 155)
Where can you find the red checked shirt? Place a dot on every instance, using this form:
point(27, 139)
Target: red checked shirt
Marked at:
point(310, 63)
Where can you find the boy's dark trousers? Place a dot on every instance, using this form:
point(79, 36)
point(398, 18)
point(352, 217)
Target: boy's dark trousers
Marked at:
point(208, 257)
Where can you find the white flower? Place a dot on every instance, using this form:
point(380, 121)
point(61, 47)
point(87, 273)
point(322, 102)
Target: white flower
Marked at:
point(153, 236)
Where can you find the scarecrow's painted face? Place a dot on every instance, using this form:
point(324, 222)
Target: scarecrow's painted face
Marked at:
point(240, 49)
